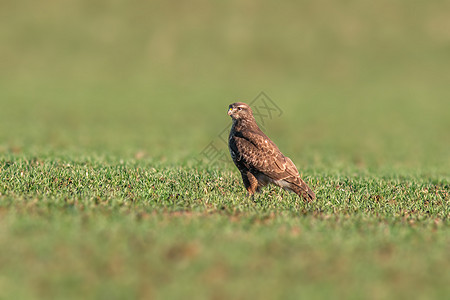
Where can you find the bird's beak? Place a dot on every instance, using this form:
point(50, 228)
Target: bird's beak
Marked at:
point(229, 111)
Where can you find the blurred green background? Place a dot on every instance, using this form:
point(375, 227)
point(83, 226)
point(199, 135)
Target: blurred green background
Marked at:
point(105, 107)
point(364, 83)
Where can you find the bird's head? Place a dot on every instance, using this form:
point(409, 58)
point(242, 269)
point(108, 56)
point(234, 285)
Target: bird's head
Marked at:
point(239, 111)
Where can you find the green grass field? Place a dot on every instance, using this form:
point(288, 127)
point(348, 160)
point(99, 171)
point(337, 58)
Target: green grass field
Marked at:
point(107, 106)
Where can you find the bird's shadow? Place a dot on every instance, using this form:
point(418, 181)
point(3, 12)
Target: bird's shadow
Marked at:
point(275, 198)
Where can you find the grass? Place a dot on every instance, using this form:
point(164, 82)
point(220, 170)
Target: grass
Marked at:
point(106, 108)
point(104, 228)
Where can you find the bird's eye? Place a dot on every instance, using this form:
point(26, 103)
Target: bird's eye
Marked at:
point(239, 108)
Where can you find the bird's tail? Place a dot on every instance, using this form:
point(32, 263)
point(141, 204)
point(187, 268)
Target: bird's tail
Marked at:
point(303, 190)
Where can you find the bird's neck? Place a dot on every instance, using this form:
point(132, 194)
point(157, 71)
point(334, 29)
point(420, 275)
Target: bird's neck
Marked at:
point(242, 124)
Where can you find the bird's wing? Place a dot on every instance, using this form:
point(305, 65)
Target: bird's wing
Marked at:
point(258, 152)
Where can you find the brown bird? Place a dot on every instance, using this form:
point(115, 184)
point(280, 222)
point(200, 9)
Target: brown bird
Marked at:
point(258, 158)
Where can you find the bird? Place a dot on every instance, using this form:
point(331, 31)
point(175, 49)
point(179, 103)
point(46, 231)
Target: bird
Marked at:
point(258, 159)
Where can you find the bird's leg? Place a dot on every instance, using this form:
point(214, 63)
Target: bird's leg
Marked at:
point(253, 184)
point(245, 180)
point(250, 182)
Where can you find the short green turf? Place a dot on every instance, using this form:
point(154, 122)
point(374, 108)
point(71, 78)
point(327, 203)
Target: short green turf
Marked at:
point(109, 112)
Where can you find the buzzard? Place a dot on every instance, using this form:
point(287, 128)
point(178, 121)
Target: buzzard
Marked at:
point(258, 158)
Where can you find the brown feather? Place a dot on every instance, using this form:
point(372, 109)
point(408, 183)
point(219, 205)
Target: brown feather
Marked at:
point(257, 157)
